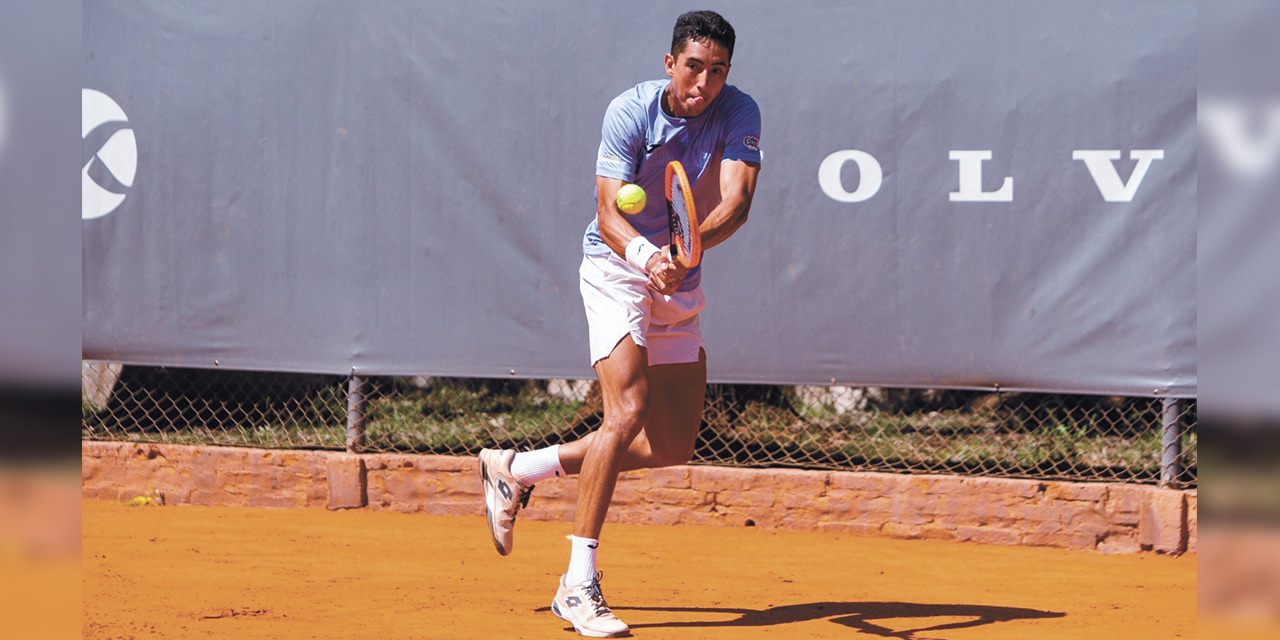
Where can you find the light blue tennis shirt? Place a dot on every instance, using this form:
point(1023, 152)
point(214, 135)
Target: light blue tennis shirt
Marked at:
point(638, 140)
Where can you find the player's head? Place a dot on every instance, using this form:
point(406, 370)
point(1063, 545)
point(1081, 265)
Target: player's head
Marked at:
point(698, 63)
point(701, 26)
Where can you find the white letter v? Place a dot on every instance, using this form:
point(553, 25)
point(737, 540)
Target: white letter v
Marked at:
point(1108, 179)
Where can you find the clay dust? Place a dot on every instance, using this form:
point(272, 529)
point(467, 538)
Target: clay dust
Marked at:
point(227, 572)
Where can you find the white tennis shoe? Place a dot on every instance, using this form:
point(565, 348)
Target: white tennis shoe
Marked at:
point(504, 496)
point(583, 606)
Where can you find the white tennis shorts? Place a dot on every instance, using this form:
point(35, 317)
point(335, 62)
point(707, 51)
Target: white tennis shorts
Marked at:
point(619, 304)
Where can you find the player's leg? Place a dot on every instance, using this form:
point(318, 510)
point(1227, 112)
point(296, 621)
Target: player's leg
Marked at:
point(640, 453)
point(667, 425)
point(677, 386)
point(678, 393)
point(617, 303)
point(672, 447)
point(624, 387)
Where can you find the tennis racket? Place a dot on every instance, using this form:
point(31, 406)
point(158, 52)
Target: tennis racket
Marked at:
point(682, 217)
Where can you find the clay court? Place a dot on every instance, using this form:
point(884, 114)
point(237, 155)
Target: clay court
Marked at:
point(227, 572)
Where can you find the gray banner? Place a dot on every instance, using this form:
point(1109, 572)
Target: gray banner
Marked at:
point(954, 194)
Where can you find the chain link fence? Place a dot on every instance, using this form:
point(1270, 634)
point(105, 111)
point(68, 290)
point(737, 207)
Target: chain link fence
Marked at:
point(987, 433)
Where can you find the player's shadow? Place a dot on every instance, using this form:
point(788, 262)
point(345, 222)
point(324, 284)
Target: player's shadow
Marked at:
point(855, 615)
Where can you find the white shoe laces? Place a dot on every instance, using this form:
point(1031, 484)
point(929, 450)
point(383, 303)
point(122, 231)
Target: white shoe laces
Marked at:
point(596, 596)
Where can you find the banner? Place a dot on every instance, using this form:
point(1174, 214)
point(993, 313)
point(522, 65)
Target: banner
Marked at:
point(967, 194)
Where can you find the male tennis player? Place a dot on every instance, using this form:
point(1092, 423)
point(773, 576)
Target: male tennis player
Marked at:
point(642, 308)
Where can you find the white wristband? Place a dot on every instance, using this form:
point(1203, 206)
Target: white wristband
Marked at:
point(639, 251)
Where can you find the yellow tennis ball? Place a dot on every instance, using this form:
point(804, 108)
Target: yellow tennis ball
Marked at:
point(631, 198)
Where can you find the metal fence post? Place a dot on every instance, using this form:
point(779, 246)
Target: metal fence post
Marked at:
point(1171, 442)
point(355, 413)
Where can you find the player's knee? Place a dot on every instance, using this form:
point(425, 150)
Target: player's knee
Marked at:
point(629, 416)
point(634, 409)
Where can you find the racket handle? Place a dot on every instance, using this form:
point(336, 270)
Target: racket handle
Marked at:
point(675, 253)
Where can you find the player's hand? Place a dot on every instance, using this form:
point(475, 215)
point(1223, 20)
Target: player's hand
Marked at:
point(665, 274)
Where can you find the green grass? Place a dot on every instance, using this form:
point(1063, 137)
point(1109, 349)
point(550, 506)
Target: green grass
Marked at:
point(1041, 437)
point(455, 417)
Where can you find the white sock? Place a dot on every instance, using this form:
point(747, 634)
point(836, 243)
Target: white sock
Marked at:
point(582, 560)
point(531, 467)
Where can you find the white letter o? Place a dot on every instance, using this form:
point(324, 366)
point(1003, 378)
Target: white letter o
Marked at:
point(870, 176)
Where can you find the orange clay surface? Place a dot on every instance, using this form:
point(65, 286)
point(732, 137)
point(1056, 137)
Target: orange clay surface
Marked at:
point(224, 572)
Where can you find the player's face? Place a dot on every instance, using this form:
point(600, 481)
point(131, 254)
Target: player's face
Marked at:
point(697, 77)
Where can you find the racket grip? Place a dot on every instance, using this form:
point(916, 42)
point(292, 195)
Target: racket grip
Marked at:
point(675, 253)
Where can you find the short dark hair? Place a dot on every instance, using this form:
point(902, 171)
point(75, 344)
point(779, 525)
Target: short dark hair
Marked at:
point(702, 25)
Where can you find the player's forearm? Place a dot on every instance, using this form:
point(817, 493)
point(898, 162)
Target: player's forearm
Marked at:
point(737, 188)
point(724, 220)
point(615, 231)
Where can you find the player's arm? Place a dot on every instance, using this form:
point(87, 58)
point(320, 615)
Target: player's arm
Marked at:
point(614, 228)
point(737, 188)
point(616, 232)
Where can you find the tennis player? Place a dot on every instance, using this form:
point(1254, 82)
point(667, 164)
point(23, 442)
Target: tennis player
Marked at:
point(642, 307)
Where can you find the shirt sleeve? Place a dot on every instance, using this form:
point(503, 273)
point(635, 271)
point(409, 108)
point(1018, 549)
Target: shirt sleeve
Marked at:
point(742, 131)
point(621, 142)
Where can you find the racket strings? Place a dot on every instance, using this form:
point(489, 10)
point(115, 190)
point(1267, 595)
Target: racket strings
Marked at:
point(680, 217)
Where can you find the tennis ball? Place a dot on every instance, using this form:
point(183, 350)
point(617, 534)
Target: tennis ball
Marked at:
point(141, 501)
point(631, 198)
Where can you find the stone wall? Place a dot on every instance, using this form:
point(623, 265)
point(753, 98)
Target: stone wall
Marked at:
point(1109, 518)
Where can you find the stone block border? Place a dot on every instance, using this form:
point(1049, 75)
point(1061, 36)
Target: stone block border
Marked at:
point(1103, 517)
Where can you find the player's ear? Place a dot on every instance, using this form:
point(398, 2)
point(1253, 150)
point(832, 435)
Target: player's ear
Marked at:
point(670, 63)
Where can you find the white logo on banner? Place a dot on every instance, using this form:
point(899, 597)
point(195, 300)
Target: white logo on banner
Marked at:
point(114, 163)
point(971, 179)
point(1098, 162)
point(1245, 136)
point(870, 176)
point(1104, 173)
